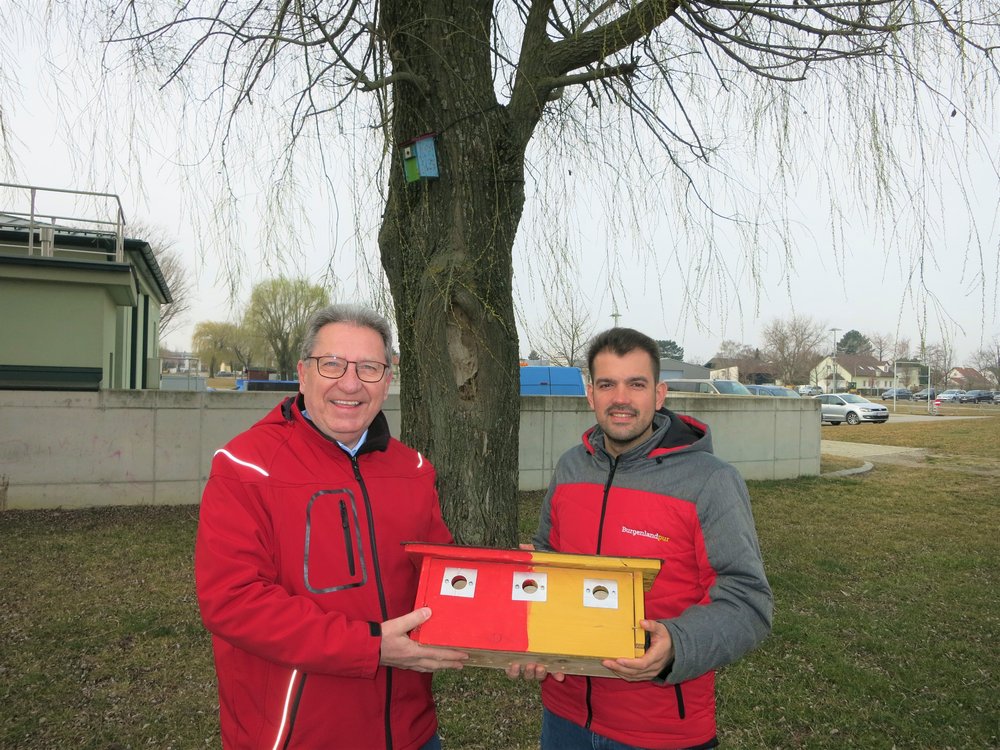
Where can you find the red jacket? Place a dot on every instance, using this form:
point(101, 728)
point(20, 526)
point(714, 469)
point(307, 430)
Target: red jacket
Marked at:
point(298, 560)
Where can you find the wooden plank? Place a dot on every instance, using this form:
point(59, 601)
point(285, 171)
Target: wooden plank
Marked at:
point(565, 663)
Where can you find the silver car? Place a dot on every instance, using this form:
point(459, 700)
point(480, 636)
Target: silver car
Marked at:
point(952, 394)
point(851, 408)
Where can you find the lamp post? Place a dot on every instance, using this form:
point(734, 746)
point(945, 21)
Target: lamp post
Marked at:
point(833, 388)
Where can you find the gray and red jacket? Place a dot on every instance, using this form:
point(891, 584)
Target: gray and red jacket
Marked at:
point(298, 560)
point(671, 499)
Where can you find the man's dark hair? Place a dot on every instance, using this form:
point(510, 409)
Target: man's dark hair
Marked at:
point(621, 341)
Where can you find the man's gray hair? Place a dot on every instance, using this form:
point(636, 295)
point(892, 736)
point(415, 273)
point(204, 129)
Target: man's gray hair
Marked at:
point(358, 315)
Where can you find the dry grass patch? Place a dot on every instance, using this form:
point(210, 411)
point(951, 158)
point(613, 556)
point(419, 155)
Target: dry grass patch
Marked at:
point(979, 438)
point(829, 463)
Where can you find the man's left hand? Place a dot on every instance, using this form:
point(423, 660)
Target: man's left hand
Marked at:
point(650, 664)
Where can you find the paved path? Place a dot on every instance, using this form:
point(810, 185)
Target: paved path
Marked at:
point(869, 450)
point(872, 453)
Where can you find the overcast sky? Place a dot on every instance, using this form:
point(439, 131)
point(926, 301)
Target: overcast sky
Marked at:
point(852, 283)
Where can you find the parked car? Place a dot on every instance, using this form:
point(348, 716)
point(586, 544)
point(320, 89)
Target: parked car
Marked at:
point(996, 397)
point(952, 394)
point(769, 389)
point(899, 394)
point(926, 393)
point(809, 390)
point(694, 385)
point(977, 396)
point(851, 408)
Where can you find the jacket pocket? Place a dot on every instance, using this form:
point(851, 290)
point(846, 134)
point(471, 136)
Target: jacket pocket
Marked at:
point(333, 557)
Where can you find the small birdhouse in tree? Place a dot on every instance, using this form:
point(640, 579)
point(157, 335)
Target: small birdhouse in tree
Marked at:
point(419, 158)
point(562, 610)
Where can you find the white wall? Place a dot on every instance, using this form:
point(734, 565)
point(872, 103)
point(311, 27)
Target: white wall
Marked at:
point(63, 449)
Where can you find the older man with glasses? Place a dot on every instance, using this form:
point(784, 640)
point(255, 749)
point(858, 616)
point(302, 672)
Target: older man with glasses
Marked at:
point(299, 565)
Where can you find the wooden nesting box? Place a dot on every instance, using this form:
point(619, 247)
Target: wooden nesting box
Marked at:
point(562, 610)
point(419, 156)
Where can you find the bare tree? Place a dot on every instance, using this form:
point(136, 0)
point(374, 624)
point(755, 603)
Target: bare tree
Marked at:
point(566, 332)
point(594, 78)
point(987, 360)
point(901, 349)
point(729, 349)
point(174, 271)
point(793, 346)
point(881, 344)
point(940, 358)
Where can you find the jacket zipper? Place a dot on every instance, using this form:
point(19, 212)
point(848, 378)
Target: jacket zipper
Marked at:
point(604, 503)
point(383, 608)
point(349, 546)
point(600, 539)
point(294, 711)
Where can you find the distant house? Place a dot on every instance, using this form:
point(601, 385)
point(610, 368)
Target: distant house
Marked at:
point(859, 372)
point(80, 302)
point(751, 370)
point(908, 373)
point(966, 378)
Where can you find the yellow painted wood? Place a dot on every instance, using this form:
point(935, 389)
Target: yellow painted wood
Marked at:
point(563, 625)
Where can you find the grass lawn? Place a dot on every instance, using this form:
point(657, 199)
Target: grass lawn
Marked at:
point(886, 623)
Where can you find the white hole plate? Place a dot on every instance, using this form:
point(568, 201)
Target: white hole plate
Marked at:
point(518, 594)
point(450, 574)
point(592, 585)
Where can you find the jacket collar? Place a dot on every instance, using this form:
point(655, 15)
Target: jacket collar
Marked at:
point(292, 408)
point(672, 433)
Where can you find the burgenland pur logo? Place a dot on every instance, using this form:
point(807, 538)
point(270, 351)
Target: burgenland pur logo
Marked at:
point(647, 534)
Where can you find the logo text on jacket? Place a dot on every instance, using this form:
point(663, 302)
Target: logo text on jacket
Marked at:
point(646, 534)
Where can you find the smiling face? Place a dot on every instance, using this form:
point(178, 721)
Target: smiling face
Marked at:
point(344, 407)
point(624, 398)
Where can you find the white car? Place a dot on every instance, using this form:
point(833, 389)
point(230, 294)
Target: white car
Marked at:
point(952, 394)
point(851, 408)
point(809, 390)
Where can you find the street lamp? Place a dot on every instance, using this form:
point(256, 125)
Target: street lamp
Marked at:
point(834, 387)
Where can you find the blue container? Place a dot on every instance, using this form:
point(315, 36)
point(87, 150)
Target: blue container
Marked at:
point(552, 381)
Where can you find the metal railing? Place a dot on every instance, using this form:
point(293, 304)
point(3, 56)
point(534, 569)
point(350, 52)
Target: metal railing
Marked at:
point(45, 226)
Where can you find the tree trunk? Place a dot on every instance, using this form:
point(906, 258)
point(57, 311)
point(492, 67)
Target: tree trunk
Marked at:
point(446, 246)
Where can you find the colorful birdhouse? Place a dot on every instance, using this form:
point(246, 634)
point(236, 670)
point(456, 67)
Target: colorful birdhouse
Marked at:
point(419, 158)
point(565, 611)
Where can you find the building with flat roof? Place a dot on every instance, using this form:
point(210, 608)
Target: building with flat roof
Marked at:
point(79, 301)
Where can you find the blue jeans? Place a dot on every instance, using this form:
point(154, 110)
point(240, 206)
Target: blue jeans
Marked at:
point(561, 734)
point(434, 743)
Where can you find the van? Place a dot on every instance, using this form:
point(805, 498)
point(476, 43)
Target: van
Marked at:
point(713, 387)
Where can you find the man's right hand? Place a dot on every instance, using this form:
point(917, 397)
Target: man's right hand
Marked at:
point(399, 650)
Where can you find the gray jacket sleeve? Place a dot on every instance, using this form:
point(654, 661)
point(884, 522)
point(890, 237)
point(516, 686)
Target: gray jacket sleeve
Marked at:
point(738, 616)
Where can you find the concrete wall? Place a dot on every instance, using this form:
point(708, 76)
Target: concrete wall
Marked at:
point(63, 449)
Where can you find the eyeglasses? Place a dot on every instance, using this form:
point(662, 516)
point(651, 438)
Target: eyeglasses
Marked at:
point(335, 367)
